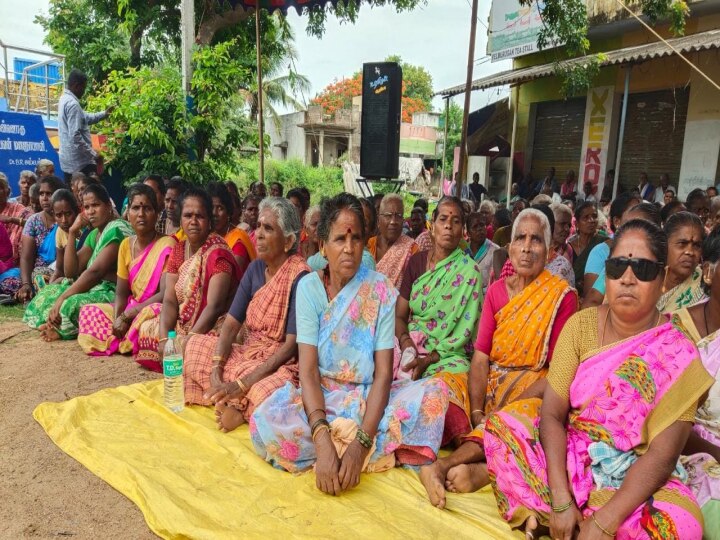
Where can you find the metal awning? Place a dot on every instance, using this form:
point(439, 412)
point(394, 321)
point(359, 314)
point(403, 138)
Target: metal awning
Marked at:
point(629, 55)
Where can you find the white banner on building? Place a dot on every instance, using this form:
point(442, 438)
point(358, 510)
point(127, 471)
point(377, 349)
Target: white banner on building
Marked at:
point(596, 137)
point(513, 29)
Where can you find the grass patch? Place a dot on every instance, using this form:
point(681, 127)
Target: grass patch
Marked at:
point(12, 313)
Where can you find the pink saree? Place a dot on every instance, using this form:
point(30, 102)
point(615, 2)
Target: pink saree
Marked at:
point(96, 320)
point(621, 397)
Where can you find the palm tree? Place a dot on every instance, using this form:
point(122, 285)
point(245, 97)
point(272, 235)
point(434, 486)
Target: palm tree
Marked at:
point(278, 88)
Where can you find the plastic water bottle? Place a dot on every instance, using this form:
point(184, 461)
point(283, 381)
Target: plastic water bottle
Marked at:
point(173, 372)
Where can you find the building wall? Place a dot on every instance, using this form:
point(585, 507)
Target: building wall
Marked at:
point(702, 133)
point(289, 133)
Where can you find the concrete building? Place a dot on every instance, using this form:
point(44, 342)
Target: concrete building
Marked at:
point(670, 112)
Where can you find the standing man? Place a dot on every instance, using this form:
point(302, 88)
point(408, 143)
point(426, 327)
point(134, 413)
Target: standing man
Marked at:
point(477, 190)
point(662, 188)
point(76, 151)
point(646, 189)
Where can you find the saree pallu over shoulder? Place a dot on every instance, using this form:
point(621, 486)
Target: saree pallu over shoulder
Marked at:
point(350, 328)
point(688, 293)
point(621, 398)
point(395, 259)
point(521, 339)
point(194, 279)
point(445, 307)
point(96, 320)
point(266, 321)
point(39, 308)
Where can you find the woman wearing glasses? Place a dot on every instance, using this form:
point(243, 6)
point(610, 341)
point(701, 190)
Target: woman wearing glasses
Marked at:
point(599, 454)
point(391, 248)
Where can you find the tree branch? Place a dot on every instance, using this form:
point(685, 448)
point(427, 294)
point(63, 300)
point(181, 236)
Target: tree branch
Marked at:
point(217, 21)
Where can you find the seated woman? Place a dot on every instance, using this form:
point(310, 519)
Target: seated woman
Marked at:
point(200, 282)
point(585, 239)
point(599, 453)
point(13, 216)
point(437, 312)
point(348, 415)
point(480, 247)
point(237, 378)
point(237, 240)
point(310, 248)
point(38, 248)
point(702, 449)
point(519, 326)
point(391, 249)
point(682, 286)
point(26, 181)
point(65, 211)
point(90, 272)
point(109, 328)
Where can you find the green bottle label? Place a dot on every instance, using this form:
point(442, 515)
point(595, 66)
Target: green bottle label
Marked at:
point(172, 367)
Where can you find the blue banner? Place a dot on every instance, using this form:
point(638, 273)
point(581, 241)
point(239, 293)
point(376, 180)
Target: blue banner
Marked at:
point(24, 142)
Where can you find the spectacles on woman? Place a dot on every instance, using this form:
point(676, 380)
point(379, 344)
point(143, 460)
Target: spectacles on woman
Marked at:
point(644, 269)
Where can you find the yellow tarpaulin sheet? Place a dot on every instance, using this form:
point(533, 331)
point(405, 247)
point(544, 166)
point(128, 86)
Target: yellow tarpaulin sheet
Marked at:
point(192, 481)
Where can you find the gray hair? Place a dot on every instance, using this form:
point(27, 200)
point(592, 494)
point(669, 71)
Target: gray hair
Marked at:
point(489, 205)
point(28, 174)
point(542, 199)
point(310, 213)
point(286, 216)
point(392, 197)
point(560, 208)
point(4, 181)
point(539, 216)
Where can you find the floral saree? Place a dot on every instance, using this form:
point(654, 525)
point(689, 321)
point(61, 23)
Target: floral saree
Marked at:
point(96, 320)
point(445, 306)
point(191, 288)
point(347, 331)
point(265, 323)
point(39, 308)
point(621, 397)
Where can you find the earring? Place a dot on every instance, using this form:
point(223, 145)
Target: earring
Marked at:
point(322, 252)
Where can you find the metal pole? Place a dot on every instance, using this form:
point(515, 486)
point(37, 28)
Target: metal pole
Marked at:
point(445, 141)
point(47, 92)
point(187, 37)
point(512, 145)
point(7, 79)
point(466, 109)
point(618, 155)
point(260, 93)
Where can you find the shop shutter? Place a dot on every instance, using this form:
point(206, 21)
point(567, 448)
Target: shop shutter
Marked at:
point(654, 134)
point(558, 137)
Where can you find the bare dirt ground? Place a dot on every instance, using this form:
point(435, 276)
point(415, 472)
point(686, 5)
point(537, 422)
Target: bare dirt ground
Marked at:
point(45, 493)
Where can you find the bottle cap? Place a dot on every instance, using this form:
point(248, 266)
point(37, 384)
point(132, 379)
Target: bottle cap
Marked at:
point(172, 334)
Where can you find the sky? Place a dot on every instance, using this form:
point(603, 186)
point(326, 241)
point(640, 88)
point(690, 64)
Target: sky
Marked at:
point(435, 36)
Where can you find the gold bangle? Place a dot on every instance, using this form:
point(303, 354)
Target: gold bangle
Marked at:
point(561, 508)
point(476, 410)
point(163, 340)
point(602, 529)
point(217, 359)
point(318, 429)
point(241, 384)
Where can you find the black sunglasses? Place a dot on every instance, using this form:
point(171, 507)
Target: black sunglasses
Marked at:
point(644, 269)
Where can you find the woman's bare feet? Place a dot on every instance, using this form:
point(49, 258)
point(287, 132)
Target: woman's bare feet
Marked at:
point(48, 333)
point(227, 417)
point(467, 478)
point(433, 478)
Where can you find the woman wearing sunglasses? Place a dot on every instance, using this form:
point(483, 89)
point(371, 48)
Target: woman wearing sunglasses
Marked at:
point(599, 454)
point(703, 446)
point(682, 287)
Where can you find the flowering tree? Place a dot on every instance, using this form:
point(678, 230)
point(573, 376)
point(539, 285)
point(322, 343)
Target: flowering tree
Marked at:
point(416, 91)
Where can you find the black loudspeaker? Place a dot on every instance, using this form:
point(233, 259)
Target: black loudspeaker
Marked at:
point(380, 133)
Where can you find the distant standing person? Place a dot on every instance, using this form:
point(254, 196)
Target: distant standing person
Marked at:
point(477, 190)
point(76, 151)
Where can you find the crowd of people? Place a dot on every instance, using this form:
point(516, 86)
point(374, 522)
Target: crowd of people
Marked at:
point(566, 350)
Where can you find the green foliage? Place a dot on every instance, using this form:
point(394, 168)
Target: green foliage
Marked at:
point(417, 82)
point(321, 181)
point(150, 129)
point(455, 118)
point(565, 22)
point(347, 11)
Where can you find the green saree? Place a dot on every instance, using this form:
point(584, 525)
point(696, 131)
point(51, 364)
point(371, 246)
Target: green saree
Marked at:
point(445, 308)
point(39, 308)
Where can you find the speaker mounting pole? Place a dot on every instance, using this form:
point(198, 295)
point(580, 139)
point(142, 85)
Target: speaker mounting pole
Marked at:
point(261, 135)
point(462, 166)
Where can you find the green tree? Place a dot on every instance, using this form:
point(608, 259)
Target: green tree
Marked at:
point(417, 82)
point(454, 133)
